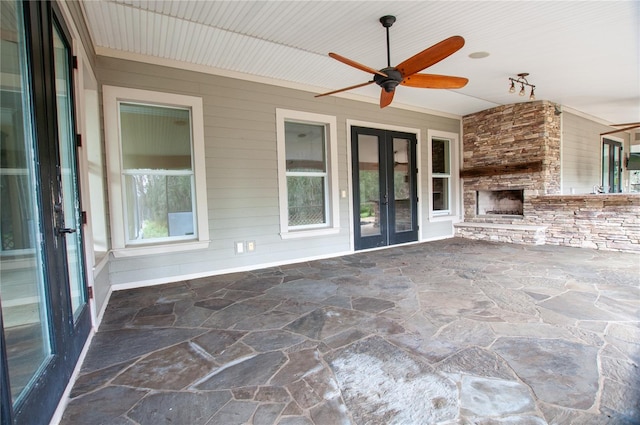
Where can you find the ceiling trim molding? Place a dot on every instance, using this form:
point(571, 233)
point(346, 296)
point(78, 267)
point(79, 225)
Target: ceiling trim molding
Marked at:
point(205, 69)
point(585, 115)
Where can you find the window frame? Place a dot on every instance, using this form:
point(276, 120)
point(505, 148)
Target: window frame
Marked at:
point(451, 176)
point(331, 226)
point(112, 97)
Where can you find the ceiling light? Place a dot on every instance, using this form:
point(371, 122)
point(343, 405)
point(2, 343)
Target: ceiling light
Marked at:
point(478, 55)
point(522, 80)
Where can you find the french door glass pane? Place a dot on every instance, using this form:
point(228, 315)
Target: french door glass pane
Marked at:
point(369, 177)
point(616, 184)
point(402, 185)
point(605, 167)
point(70, 192)
point(24, 308)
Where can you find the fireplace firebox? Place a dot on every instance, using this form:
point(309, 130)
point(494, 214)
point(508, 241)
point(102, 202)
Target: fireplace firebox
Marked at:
point(500, 202)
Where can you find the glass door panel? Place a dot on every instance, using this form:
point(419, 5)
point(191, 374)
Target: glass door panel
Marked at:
point(605, 168)
point(402, 186)
point(611, 166)
point(71, 220)
point(369, 184)
point(22, 281)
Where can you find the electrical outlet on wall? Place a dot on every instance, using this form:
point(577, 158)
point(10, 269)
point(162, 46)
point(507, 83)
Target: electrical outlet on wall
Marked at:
point(239, 247)
point(251, 246)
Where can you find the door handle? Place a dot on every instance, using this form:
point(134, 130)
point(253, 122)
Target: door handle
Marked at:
point(63, 230)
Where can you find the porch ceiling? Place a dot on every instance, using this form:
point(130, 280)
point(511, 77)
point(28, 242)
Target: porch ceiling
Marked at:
point(584, 55)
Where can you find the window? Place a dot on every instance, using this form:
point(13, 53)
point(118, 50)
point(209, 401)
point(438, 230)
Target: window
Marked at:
point(308, 185)
point(441, 175)
point(155, 146)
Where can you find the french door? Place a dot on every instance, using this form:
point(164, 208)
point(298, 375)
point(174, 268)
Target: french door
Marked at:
point(611, 166)
point(384, 187)
point(43, 298)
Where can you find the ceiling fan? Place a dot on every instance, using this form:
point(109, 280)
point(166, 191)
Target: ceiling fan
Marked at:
point(407, 72)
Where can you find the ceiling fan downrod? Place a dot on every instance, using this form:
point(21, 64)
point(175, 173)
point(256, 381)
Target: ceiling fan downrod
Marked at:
point(386, 22)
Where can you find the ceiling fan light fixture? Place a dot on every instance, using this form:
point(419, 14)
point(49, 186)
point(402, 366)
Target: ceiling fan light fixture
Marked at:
point(478, 55)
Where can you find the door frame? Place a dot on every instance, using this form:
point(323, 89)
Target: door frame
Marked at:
point(390, 127)
point(67, 337)
point(613, 143)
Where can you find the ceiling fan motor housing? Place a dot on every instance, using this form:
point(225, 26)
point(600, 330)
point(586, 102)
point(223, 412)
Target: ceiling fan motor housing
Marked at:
point(391, 81)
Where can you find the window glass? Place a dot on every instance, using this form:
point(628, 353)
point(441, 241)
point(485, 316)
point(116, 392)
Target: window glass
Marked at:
point(440, 156)
point(441, 176)
point(440, 194)
point(306, 163)
point(157, 172)
point(155, 137)
point(611, 166)
point(305, 147)
point(25, 315)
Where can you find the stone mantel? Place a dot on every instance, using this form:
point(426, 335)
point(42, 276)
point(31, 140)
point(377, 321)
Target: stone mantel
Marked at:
point(628, 197)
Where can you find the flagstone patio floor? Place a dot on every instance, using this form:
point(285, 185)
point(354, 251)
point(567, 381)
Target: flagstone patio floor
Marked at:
point(447, 332)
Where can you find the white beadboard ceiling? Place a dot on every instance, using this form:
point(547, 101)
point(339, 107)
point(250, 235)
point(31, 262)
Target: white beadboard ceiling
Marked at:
point(582, 54)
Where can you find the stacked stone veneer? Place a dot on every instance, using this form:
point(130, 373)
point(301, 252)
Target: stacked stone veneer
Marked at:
point(529, 133)
point(610, 222)
point(508, 135)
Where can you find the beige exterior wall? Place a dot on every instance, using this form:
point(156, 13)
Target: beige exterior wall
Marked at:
point(241, 170)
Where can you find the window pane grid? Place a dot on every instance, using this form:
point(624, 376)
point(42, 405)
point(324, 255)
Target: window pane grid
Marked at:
point(441, 174)
point(306, 174)
point(157, 175)
point(306, 196)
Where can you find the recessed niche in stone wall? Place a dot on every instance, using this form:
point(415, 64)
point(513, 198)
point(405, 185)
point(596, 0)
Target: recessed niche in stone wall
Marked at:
point(500, 202)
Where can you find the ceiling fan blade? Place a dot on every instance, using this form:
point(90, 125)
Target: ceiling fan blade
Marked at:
point(386, 97)
point(430, 55)
point(356, 64)
point(345, 89)
point(434, 81)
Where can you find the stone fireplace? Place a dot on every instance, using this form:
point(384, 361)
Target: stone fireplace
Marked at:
point(511, 186)
point(511, 155)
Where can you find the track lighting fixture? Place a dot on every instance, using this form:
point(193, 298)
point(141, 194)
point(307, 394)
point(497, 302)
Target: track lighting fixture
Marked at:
point(522, 80)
